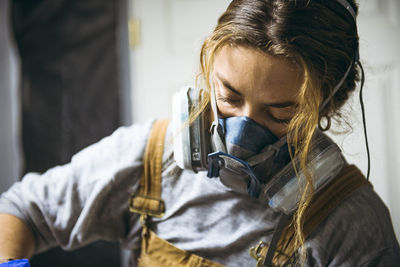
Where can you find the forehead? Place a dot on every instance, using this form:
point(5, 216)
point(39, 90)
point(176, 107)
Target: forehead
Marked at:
point(253, 71)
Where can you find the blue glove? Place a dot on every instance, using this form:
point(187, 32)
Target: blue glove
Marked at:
point(16, 263)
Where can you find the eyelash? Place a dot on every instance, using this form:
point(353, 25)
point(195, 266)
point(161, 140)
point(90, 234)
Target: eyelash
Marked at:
point(228, 100)
point(280, 121)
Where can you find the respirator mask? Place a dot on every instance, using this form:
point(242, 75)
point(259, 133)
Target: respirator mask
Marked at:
point(246, 156)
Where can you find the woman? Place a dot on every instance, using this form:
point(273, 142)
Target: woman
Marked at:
point(278, 69)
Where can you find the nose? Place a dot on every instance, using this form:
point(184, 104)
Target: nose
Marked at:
point(251, 112)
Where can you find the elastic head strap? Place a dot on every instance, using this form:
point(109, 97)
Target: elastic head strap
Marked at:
point(355, 59)
point(337, 87)
point(349, 8)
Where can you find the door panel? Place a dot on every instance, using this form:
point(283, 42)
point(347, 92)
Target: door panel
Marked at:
point(167, 56)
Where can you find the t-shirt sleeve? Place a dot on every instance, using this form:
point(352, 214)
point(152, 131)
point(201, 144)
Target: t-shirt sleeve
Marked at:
point(386, 257)
point(359, 232)
point(83, 201)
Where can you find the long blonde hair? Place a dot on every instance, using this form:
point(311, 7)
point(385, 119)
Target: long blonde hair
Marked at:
point(320, 37)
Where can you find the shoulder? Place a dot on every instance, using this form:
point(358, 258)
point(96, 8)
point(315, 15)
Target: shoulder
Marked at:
point(125, 143)
point(357, 232)
point(115, 158)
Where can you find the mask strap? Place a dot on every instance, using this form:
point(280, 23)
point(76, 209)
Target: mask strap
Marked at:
point(351, 11)
point(275, 238)
point(349, 8)
point(215, 126)
point(216, 159)
point(214, 107)
point(267, 152)
point(337, 87)
point(363, 118)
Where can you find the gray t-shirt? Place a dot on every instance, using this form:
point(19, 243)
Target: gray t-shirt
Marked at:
point(87, 200)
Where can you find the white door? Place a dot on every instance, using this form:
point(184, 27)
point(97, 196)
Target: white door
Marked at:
point(166, 57)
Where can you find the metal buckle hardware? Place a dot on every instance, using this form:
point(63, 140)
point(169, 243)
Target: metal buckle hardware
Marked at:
point(255, 252)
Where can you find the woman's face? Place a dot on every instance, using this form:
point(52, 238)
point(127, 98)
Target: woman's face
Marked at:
point(251, 83)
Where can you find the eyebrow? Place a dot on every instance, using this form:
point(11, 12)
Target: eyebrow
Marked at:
point(283, 104)
point(227, 84)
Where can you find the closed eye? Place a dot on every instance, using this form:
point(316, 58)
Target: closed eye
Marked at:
point(277, 120)
point(229, 100)
point(280, 121)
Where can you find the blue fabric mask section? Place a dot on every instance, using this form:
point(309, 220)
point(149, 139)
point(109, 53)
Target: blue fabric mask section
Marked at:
point(246, 133)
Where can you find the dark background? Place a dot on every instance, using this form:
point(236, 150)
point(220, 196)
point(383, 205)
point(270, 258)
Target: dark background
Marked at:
point(70, 90)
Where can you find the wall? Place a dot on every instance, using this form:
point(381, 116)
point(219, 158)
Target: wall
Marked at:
point(167, 55)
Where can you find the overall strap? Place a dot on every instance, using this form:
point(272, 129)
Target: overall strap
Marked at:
point(147, 201)
point(323, 203)
point(155, 251)
point(348, 180)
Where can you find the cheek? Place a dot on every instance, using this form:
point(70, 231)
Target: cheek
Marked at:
point(279, 131)
point(225, 110)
